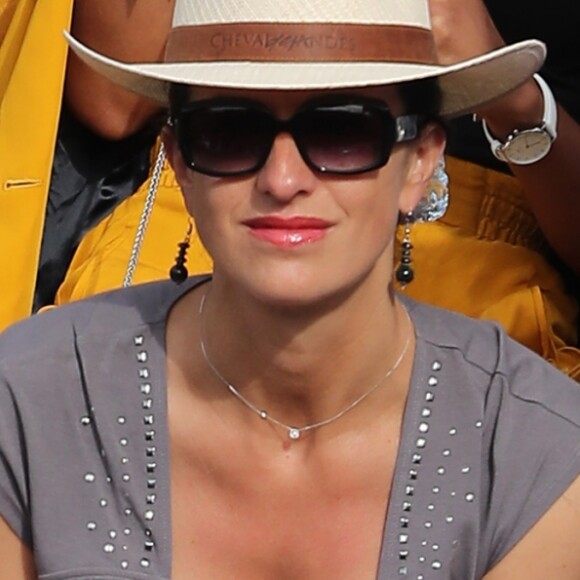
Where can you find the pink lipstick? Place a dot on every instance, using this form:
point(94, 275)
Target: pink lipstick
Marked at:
point(288, 232)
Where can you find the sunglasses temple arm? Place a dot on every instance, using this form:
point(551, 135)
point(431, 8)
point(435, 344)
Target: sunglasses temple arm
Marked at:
point(407, 127)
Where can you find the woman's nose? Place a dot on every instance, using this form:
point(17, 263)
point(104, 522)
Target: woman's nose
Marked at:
point(285, 173)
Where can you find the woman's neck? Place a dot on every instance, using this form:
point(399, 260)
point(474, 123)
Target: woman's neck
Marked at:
point(301, 365)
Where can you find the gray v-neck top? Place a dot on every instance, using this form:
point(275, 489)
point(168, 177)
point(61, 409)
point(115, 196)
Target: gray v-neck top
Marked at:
point(491, 438)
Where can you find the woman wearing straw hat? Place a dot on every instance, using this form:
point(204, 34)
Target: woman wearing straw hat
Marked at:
point(290, 416)
point(490, 226)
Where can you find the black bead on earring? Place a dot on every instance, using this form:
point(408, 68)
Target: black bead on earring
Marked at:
point(405, 273)
point(178, 272)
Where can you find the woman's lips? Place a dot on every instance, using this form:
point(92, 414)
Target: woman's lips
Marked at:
point(288, 232)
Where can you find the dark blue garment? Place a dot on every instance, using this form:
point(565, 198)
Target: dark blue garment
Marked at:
point(90, 177)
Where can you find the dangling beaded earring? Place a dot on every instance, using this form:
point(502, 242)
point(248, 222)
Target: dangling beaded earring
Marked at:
point(405, 273)
point(178, 272)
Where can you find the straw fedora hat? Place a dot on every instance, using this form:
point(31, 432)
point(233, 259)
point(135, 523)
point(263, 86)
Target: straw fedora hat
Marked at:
point(315, 44)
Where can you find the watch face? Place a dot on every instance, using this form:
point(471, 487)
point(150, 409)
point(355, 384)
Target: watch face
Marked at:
point(527, 147)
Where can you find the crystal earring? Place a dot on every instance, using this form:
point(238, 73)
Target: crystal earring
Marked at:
point(433, 205)
point(405, 273)
point(178, 272)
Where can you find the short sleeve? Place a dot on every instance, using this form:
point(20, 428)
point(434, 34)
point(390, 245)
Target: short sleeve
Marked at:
point(533, 437)
point(14, 496)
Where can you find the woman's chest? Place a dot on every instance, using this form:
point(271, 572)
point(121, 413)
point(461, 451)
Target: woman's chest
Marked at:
point(116, 510)
point(244, 517)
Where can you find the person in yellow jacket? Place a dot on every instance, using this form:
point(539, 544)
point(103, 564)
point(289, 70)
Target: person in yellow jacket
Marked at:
point(501, 276)
point(33, 70)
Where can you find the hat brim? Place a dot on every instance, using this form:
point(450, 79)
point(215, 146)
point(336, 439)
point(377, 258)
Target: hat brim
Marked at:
point(465, 86)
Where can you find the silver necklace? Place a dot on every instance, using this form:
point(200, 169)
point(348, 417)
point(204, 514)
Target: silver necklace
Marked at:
point(294, 432)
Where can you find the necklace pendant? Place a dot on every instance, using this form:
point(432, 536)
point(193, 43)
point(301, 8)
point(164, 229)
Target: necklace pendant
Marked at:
point(294, 433)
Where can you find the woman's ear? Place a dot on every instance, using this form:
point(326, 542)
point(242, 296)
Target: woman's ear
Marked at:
point(428, 150)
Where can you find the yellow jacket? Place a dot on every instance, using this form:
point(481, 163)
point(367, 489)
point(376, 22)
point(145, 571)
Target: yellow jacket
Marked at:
point(7, 8)
point(33, 57)
point(32, 66)
point(101, 260)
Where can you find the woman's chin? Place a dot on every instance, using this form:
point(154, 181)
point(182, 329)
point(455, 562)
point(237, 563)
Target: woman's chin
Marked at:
point(301, 289)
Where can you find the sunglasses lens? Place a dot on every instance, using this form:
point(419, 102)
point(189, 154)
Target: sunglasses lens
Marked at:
point(226, 140)
point(349, 138)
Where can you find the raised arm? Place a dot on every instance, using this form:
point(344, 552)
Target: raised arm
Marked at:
point(115, 28)
point(464, 29)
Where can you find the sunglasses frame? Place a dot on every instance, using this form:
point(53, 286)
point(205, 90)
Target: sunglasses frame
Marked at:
point(406, 128)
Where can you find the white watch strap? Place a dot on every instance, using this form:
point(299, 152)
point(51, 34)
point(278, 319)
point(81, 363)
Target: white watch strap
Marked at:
point(549, 119)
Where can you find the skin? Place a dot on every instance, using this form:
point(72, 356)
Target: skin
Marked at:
point(115, 28)
point(279, 273)
point(16, 561)
point(463, 29)
point(292, 373)
point(328, 297)
point(288, 510)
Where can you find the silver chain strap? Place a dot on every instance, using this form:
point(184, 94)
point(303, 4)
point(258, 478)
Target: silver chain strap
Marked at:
point(145, 216)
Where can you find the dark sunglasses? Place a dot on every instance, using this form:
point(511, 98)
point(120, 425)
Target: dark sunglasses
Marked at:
point(342, 136)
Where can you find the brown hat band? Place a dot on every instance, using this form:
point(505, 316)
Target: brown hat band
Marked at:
point(269, 42)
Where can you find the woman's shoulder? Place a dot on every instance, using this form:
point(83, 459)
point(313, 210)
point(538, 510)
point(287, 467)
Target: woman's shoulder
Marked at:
point(478, 343)
point(92, 319)
point(486, 359)
point(518, 417)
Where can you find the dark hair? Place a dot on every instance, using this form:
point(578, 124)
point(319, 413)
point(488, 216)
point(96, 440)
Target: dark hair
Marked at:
point(178, 97)
point(422, 97)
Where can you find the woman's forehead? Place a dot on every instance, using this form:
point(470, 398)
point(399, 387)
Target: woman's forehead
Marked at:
point(286, 101)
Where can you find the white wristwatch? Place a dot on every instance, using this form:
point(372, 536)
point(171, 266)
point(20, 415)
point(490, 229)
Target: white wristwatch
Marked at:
point(527, 146)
